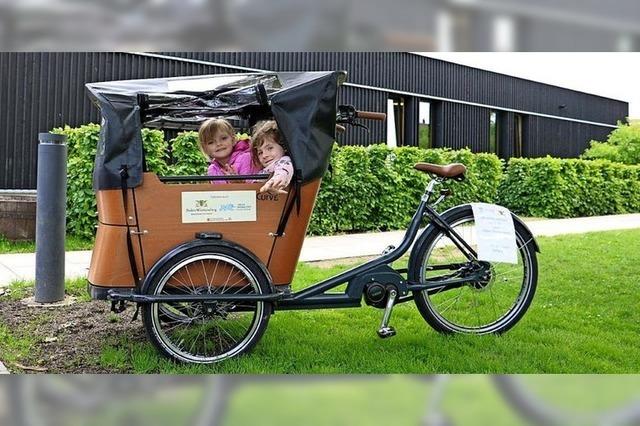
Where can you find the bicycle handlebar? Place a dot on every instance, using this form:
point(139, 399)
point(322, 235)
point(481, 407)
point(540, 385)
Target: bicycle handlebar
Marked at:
point(370, 115)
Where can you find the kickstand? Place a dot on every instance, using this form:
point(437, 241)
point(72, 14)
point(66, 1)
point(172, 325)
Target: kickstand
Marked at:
point(135, 315)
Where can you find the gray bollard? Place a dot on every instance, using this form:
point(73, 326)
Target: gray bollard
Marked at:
point(50, 217)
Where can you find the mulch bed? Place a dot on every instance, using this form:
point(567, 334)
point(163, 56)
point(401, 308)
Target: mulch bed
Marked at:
point(69, 339)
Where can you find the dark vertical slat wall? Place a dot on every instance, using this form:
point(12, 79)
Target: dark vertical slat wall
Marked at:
point(464, 126)
point(546, 136)
point(40, 91)
point(367, 100)
point(412, 118)
point(412, 73)
point(458, 125)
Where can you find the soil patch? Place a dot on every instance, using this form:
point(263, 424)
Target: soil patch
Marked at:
point(67, 339)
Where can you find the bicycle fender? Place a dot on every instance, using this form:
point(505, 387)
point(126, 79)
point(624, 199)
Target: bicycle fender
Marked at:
point(527, 231)
point(199, 243)
point(432, 227)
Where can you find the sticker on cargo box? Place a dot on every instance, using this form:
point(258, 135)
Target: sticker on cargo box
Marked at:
point(218, 206)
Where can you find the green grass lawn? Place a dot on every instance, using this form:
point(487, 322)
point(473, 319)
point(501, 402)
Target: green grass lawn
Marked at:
point(76, 287)
point(71, 243)
point(584, 319)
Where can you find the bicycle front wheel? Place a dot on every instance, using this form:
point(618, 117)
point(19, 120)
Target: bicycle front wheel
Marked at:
point(492, 303)
point(204, 332)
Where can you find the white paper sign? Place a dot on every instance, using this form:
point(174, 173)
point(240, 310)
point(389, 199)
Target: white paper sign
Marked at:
point(218, 206)
point(495, 233)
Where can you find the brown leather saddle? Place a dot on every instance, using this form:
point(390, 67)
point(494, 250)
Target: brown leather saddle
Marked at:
point(449, 171)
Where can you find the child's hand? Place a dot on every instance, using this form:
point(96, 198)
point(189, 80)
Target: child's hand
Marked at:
point(228, 169)
point(275, 185)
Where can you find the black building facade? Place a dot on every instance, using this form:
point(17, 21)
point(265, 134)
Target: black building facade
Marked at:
point(432, 103)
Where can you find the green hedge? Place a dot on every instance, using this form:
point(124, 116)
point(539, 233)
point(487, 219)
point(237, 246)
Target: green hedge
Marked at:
point(81, 203)
point(551, 187)
point(187, 158)
point(82, 215)
point(376, 188)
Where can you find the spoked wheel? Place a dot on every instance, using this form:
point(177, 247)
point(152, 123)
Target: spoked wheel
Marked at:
point(207, 332)
point(497, 294)
point(578, 399)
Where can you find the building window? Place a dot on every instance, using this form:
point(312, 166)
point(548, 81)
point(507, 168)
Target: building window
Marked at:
point(392, 139)
point(493, 132)
point(424, 125)
point(395, 122)
point(517, 146)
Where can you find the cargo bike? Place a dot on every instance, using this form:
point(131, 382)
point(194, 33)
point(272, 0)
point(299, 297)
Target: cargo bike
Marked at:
point(205, 263)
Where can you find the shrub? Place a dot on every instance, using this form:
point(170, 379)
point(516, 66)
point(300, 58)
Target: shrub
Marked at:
point(551, 187)
point(82, 215)
point(601, 150)
point(321, 222)
point(187, 157)
point(622, 145)
point(377, 188)
point(155, 150)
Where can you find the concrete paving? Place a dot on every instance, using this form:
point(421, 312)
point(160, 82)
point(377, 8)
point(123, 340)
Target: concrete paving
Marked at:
point(22, 266)
point(370, 244)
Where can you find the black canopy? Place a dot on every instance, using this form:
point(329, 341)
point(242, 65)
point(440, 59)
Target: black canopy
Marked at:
point(303, 104)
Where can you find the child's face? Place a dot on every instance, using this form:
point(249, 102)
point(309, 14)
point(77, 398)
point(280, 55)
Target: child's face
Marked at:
point(220, 146)
point(269, 151)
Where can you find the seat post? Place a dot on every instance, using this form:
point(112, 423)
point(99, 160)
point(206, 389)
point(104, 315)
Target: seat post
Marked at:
point(429, 190)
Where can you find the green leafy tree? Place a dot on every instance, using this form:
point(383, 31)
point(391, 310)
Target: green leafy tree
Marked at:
point(622, 145)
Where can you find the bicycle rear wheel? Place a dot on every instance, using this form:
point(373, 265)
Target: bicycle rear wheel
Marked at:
point(492, 304)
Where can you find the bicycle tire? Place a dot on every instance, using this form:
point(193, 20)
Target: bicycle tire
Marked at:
point(474, 304)
point(216, 339)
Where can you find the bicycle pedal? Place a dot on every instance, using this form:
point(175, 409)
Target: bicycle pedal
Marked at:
point(386, 332)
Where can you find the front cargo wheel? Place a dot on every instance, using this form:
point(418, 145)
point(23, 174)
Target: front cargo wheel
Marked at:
point(207, 332)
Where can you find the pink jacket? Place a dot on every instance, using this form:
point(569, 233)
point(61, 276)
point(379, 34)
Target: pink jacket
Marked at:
point(240, 160)
point(282, 167)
